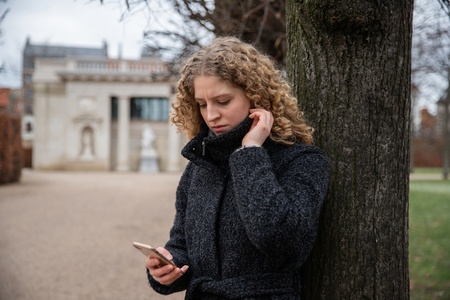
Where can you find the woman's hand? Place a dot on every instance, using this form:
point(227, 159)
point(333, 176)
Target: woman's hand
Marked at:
point(261, 127)
point(164, 274)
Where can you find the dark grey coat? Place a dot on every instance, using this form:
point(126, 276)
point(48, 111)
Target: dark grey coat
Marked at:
point(245, 220)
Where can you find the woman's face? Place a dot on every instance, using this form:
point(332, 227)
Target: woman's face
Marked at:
point(222, 105)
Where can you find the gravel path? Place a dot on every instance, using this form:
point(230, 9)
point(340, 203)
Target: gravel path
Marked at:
point(69, 235)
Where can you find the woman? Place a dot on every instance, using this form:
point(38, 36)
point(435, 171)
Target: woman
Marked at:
point(249, 201)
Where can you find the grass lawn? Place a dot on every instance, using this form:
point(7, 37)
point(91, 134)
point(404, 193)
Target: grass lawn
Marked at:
point(428, 170)
point(429, 239)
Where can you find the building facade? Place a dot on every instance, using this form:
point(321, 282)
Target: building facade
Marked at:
point(91, 112)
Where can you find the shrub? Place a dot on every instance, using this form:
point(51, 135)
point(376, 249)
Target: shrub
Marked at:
point(11, 160)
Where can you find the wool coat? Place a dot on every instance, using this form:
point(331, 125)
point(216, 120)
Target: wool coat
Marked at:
point(246, 218)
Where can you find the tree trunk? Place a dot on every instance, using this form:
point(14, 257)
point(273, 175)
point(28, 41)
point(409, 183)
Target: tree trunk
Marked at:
point(349, 63)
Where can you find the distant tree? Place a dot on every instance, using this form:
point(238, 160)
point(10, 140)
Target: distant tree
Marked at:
point(431, 60)
point(350, 65)
point(263, 23)
point(430, 49)
point(260, 22)
point(3, 13)
point(445, 4)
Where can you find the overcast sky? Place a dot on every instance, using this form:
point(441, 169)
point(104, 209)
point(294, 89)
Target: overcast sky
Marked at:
point(84, 23)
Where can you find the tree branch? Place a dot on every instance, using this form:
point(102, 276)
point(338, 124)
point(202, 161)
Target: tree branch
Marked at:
point(445, 4)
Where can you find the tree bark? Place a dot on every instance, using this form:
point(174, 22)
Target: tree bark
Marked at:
point(349, 63)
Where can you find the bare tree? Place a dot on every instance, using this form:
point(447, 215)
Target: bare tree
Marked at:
point(445, 4)
point(430, 49)
point(431, 63)
point(3, 13)
point(259, 22)
point(2, 17)
point(349, 63)
point(186, 25)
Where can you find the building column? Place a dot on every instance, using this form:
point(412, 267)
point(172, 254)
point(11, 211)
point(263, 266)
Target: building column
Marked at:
point(123, 134)
point(173, 156)
point(173, 145)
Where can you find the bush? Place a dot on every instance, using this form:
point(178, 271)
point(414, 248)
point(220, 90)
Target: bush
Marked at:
point(11, 160)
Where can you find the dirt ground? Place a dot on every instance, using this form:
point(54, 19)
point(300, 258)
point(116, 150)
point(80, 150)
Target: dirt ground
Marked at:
point(68, 235)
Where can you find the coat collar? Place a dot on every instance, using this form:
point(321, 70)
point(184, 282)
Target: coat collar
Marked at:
point(213, 151)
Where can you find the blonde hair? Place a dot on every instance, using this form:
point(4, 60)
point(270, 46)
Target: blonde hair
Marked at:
point(243, 66)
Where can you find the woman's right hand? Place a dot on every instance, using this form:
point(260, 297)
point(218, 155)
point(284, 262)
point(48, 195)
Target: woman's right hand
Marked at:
point(260, 129)
point(166, 274)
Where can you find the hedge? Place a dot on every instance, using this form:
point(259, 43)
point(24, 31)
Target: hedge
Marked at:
point(11, 160)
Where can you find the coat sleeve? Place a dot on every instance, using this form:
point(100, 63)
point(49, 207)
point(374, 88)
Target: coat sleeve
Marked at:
point(177, 244)
point(280, 205)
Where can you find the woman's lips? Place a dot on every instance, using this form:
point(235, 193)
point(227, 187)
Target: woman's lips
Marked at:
point(219, 129)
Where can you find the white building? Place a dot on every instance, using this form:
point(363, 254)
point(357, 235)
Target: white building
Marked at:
point(90, 113)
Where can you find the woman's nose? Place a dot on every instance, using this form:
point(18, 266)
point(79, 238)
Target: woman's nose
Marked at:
point(212, 113)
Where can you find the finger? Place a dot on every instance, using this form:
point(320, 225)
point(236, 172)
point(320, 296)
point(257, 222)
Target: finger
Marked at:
point(148, 263)
point(152, 263)
point(165, 252)
point(183, 270)
point(170, 277)
point(162, 271)
point(264, 121)
point(262, 114)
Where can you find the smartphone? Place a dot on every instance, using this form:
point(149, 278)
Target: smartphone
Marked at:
point(149, 250)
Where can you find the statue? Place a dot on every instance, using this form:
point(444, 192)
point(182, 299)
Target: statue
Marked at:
point(148, 136)
point(87, 142)
point(149, 156)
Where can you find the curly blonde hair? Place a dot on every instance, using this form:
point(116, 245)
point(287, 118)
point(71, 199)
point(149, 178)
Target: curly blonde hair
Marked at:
point(243, 66)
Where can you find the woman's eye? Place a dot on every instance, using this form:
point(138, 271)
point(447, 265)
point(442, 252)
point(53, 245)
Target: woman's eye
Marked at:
point(224, 102)
point(201, 105)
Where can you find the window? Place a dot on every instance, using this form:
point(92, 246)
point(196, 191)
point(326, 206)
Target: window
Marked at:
point(28, 127)
point(114, 108)
point(150, 109)
point(27, 78)
point(28, 93)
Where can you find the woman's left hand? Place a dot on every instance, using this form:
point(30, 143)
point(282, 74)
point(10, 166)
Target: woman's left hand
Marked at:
point(261, 127)
point(164, 274)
